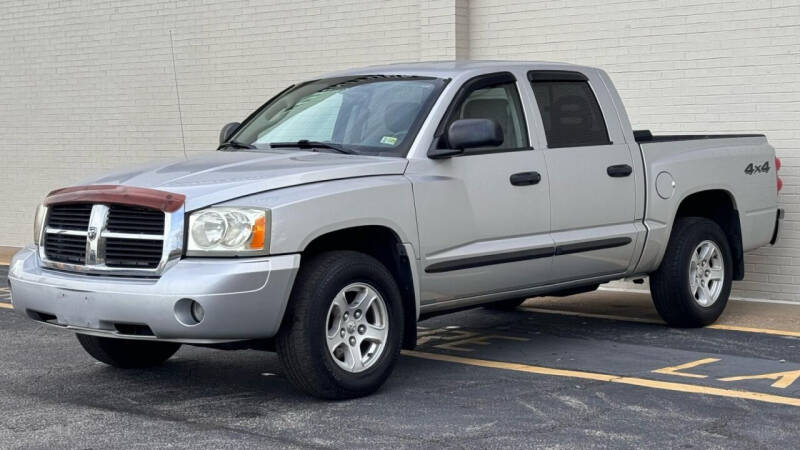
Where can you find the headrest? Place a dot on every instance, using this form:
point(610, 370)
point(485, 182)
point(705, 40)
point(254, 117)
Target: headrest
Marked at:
point(571, 110)
point(488, 108)
point(400, 115)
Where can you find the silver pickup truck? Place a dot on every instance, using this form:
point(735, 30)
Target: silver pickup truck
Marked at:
point(349, 207)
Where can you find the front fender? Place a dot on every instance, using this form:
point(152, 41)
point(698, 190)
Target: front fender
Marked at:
point(302, 213)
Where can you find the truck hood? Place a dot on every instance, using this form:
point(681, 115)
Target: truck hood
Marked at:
point(223, 176)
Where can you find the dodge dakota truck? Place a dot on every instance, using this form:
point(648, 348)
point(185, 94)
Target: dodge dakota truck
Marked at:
point(349, 207)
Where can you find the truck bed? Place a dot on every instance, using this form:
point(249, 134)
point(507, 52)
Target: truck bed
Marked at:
point(643, 136)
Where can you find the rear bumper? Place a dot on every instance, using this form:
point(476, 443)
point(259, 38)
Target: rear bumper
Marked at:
point(777, 230)
point(242, 298)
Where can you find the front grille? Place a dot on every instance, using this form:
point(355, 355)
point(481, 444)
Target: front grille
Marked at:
point(104, 237)
point(141, 253)
point(65, 248)
point(70, 217)
point(132, 219)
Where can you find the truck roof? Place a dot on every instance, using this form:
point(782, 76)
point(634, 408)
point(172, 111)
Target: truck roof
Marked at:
point(452, 69)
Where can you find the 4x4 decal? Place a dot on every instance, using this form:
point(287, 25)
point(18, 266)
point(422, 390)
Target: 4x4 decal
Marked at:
point(757, 168)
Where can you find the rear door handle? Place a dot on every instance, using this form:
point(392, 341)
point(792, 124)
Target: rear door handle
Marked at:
point(525, 178)
point(619, 170)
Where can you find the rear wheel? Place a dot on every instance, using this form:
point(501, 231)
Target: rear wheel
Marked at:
point(127, 353)
point(692, 285)
point(343, 327)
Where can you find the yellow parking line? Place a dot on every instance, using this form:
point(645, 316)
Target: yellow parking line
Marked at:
point(755, 330)
point(633, 381)
point(6, 305)
point(641, 320)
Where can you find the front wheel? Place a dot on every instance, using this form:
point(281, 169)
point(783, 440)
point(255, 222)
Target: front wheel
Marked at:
point(343, 327)
point(692, 285)
point(127, 353)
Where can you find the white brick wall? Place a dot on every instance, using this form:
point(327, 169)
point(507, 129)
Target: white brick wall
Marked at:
point(87, 86)
point(687, 66)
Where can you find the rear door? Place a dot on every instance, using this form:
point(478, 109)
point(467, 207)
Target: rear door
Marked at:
point(592, 187)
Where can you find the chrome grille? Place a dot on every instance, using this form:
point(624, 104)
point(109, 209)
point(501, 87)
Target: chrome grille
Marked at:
point(109, 238)
point(70, 216)
point(65, 248)
point(133, 252)
point(132, 219)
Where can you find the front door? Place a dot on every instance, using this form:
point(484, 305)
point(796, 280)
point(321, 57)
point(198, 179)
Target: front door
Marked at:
point(483, 218)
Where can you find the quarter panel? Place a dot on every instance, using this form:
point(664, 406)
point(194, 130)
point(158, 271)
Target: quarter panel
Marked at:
point(709, 164)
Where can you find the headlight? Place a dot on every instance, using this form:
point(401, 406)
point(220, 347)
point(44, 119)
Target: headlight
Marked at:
point(38, 223)
point(227, 231)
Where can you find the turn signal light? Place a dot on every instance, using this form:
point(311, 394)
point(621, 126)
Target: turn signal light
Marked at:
point(259, 233)
point(778, 180)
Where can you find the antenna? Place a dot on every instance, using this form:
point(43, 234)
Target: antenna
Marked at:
point(177, 92)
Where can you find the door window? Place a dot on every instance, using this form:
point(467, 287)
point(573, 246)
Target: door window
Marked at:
point(570, 113)
point(497, 100)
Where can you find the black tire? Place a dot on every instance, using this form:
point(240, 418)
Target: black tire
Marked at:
point(301, 342)
point(505, 305)
point(127, 353)
point(670, 284)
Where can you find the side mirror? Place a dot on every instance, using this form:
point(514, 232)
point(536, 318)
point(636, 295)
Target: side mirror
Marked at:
point(469, 133)
point(227, 131)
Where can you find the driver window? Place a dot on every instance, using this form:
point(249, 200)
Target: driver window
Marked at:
point(501, 104)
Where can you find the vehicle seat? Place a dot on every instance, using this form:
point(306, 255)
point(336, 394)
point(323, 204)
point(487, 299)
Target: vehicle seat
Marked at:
point(572, 121)
point(497, 109)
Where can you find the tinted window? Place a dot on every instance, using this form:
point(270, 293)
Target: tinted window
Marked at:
point(570, 114)
point(499, 102)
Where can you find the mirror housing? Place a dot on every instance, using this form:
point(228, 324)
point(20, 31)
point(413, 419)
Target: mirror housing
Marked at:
point(469, 133)
point(227, 131)
point(473, 133)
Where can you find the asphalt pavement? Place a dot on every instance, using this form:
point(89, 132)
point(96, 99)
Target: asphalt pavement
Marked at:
point(478, 379)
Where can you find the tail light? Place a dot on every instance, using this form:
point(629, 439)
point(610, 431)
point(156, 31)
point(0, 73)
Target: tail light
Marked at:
point(777, 177)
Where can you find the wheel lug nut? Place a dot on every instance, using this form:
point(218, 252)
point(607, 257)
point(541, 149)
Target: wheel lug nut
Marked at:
point(342, 332)
point(357, 314)
point(345, 315)
point(352, 341)
point(362, 329)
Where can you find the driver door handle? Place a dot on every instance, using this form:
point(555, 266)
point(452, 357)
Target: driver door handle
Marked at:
point(619, 170)
point(525, 178)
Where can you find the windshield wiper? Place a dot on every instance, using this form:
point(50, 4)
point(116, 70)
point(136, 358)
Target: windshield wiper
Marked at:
point(305, 143)
point(236, 144)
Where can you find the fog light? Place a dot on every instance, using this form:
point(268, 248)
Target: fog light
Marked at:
point(188, 312)
point(197, 312)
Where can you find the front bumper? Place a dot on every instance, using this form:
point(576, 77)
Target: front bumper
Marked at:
point(242, 298)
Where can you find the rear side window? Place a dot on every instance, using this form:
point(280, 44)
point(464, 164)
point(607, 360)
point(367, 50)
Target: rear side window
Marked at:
point(569, 109)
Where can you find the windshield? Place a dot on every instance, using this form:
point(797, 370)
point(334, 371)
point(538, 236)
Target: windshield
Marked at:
point(374, 115)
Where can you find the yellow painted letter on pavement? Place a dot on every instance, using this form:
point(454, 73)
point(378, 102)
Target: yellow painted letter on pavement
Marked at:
point(783, 379)
point(674, 370)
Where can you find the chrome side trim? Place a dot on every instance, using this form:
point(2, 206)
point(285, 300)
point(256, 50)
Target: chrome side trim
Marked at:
point(149, 237)
point(49, 230)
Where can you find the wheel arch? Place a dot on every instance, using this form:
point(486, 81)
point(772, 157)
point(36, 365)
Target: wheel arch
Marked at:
point(384, 244)
point(719, 206)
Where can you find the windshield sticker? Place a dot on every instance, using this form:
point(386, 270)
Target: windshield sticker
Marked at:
point(389, 140)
